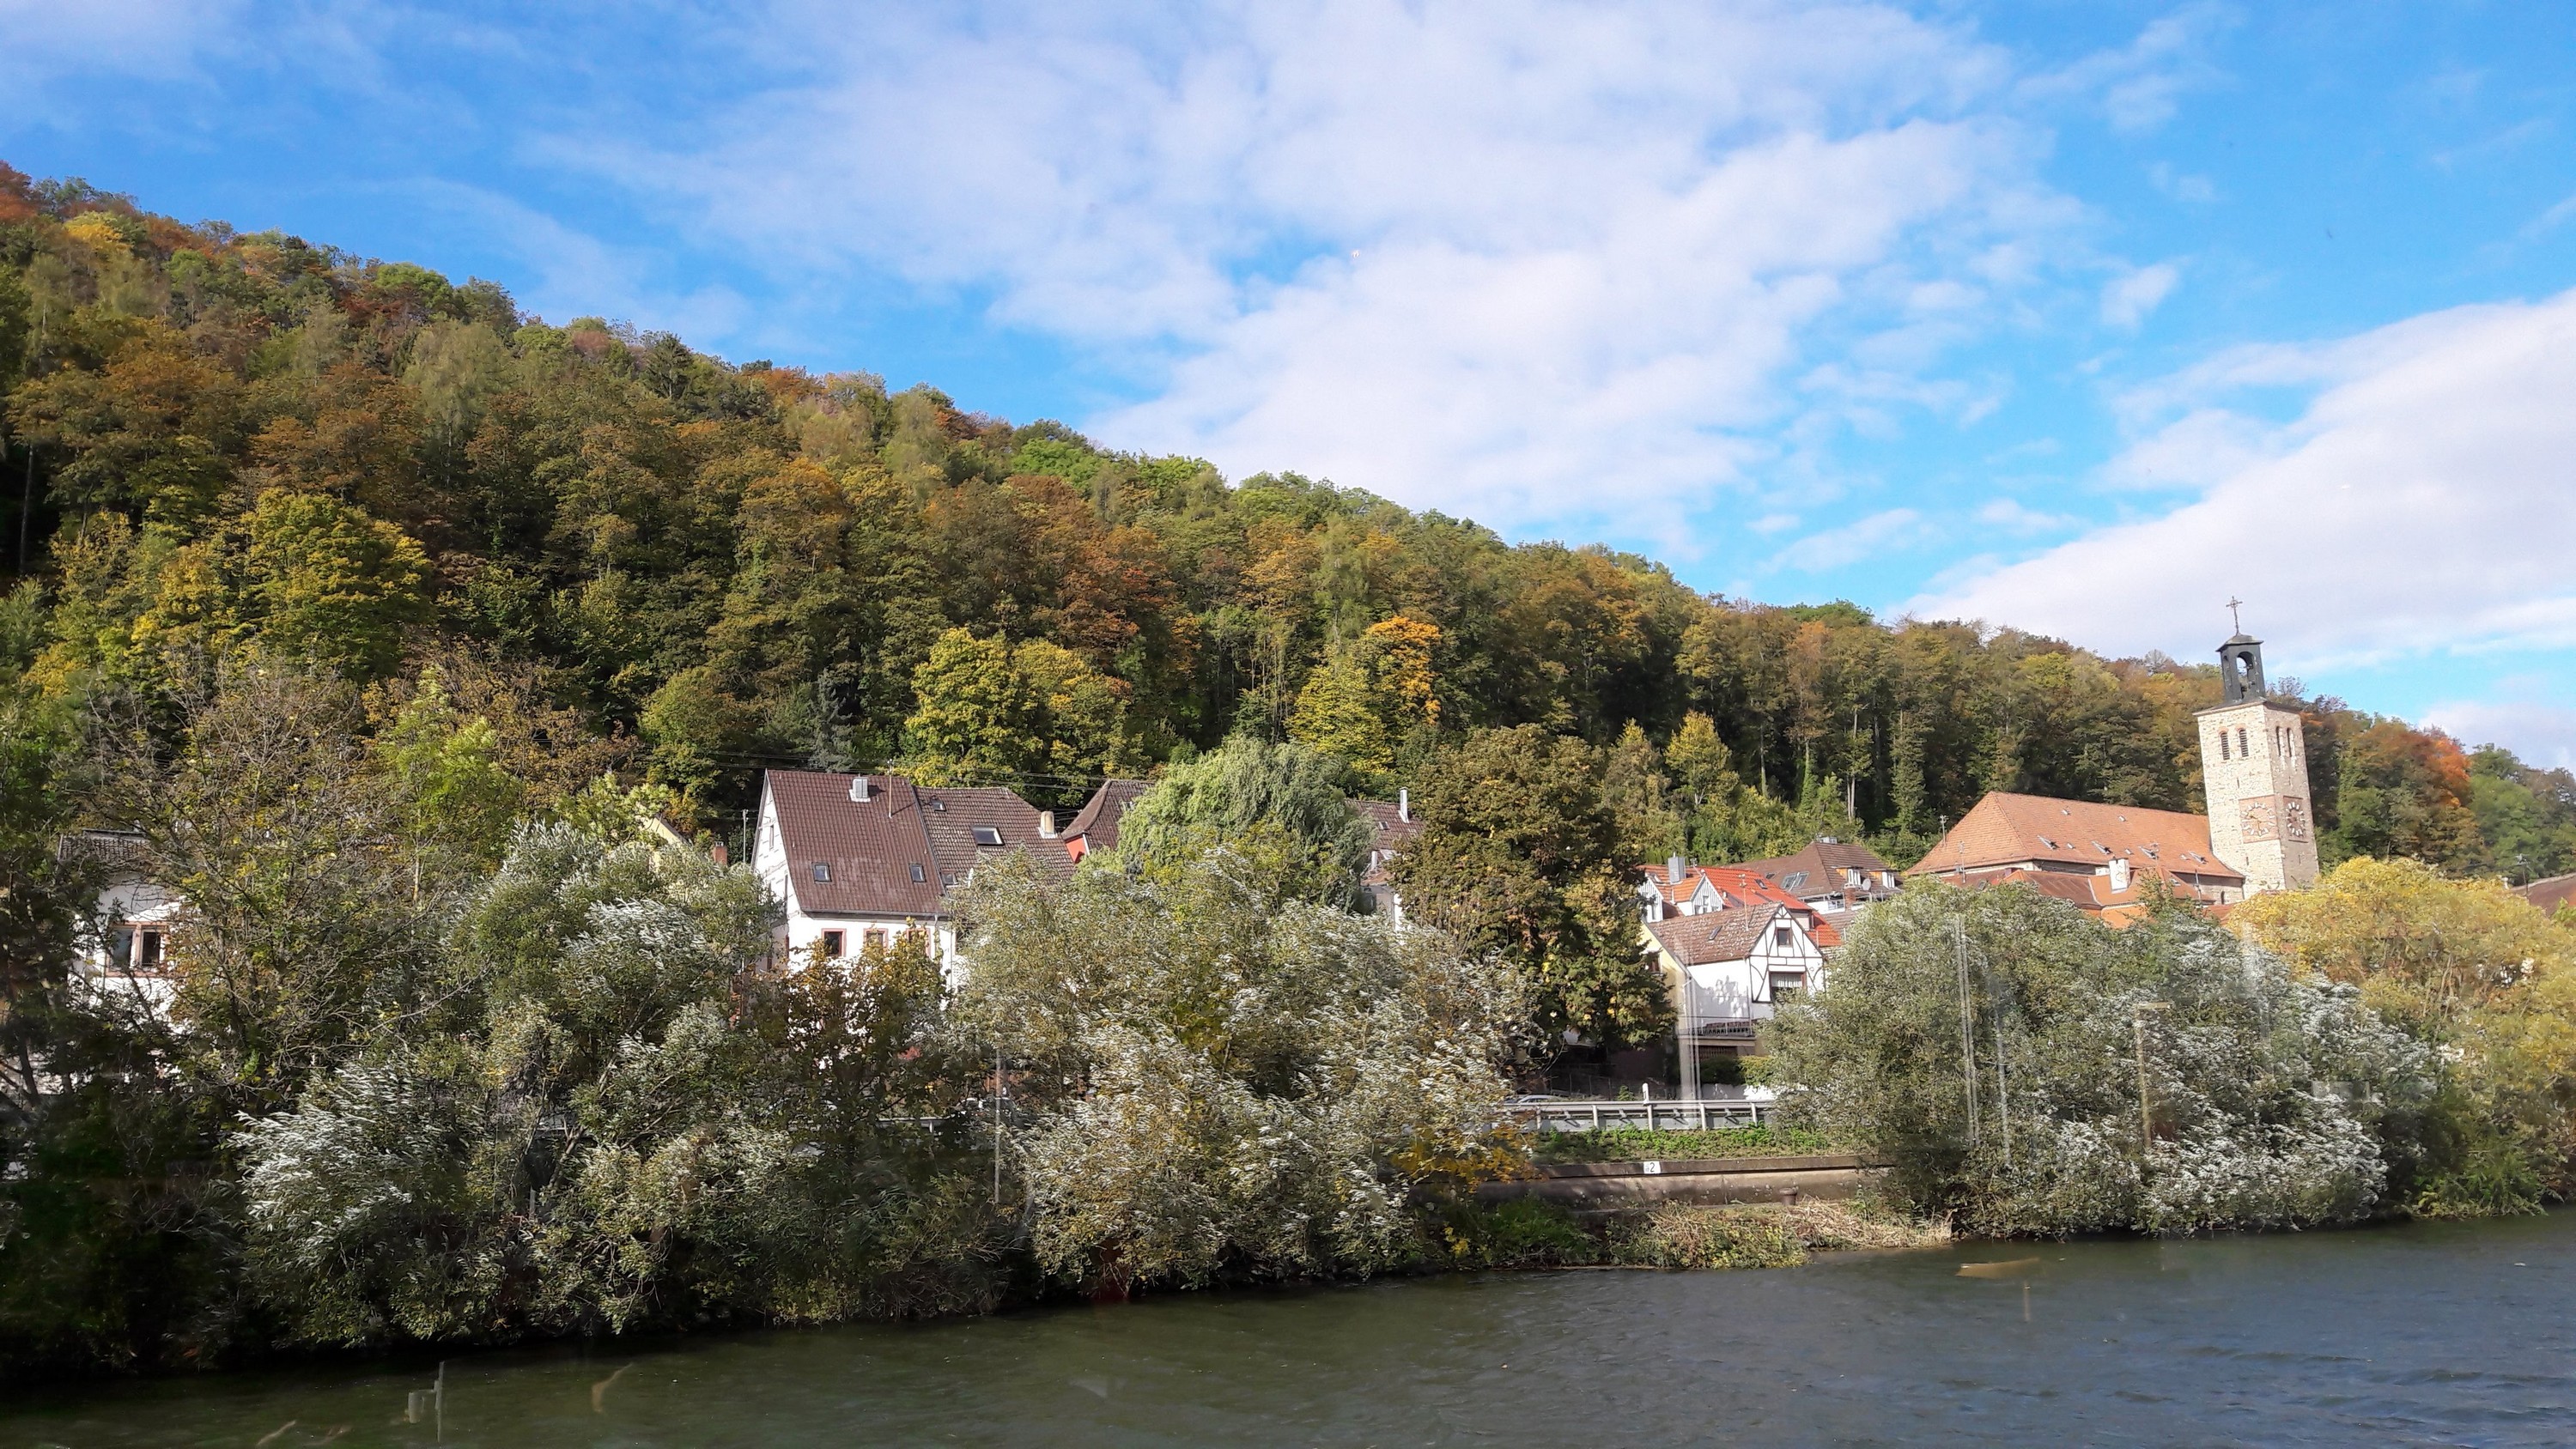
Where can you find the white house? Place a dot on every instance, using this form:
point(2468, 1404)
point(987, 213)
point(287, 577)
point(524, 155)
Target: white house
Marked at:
point(135, 919)
point(861, 857)
point(1729, 969)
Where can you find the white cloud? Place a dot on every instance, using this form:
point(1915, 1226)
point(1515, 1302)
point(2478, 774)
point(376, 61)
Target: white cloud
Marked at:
point(2541, 734)
point(2185, 187)
point(2128, 299)
point(1530, 259)
point(578, 274)
point(1877, 534)
point(44, 40)
point(2014, 516)
point(2422, 500)
point(2138, 86)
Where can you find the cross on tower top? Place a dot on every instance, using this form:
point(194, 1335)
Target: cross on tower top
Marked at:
point(2233, 603)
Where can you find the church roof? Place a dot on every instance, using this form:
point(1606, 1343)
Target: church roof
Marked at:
point(2093, 894)
point(2556, 893)
point(2005, 831)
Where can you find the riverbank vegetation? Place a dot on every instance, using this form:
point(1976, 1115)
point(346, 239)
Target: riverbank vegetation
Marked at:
point(2390, 1042)
point(1530, 1233)
point(1629, 1144)
point(417, 1084)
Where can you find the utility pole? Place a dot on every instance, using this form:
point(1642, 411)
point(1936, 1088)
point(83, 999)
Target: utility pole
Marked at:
point(2003, 1090)
point(998, 1089)
point(1967, 1032)
point(2146, 1103)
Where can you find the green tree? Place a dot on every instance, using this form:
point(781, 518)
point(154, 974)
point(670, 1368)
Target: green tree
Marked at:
point(1035, 716)
point(1277, 808)
point(1519, 854)
point(303, 576)
point(457, 800)
point(977, 717)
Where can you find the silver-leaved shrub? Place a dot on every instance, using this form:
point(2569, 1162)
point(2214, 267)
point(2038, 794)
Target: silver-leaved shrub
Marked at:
point(1210, 1080)
point(2269, 1100)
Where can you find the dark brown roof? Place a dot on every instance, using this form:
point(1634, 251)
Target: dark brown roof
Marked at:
point(1389, 830)
point(1820, 868)
point(2008, 830)
point(870, 847)
point(1097, 822)
point(1715, 936)
point(2556, 893)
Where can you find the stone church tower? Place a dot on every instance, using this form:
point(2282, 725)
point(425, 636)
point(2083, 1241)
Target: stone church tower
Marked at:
point(2254, 766)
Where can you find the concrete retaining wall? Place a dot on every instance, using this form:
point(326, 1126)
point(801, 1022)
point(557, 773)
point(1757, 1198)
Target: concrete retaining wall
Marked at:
point(1601, 1185)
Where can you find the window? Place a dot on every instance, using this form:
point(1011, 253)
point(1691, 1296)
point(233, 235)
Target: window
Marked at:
point(832, 944)
point(2241, 749)
point(2222, 745)
point(1780, 936)
point(919, 875)
point(822, 872)
point(1785, 986)
point(137, 949)
point(988, 835)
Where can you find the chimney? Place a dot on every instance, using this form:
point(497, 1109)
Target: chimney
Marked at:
point(2119, 874)
point(719, 854)
point(1673, 868)
point(861, 791)
point(1046, 825)
point(1404, 804)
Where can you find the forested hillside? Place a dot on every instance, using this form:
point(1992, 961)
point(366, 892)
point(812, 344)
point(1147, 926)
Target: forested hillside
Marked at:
point(689, 568)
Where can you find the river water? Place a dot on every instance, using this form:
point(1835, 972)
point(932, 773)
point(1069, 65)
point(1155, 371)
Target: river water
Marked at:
point(2419, 1334)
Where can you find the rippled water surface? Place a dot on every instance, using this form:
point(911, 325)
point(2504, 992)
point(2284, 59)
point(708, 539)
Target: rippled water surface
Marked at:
point(2409, 1335)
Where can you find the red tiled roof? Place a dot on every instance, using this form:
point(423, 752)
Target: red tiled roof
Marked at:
point(870, 847)
point(2556, 893)
point(1675, 889)
point(1097, 823)
point(2012, 830)
point(2092, 894)
point(1739, 887)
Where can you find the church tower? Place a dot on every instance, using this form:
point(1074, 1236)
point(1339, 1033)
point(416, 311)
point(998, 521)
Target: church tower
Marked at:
point(2254, 767)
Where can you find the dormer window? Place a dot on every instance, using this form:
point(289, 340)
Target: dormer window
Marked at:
point(940, 805)
point(988, 835)
point(822, 872)
point(919, 876)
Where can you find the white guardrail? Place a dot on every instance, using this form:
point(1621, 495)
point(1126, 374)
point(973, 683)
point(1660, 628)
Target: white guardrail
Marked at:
point(1742, 1107)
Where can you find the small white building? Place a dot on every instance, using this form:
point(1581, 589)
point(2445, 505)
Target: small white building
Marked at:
point(135, 919)
point(856, 858)
point(1730, 969)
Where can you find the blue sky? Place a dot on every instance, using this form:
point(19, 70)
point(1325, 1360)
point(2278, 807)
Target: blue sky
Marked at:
point(2082, 317)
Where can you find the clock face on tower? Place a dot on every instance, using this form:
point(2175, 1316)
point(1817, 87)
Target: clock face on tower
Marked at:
point(2294, 820)
point(2257, 820)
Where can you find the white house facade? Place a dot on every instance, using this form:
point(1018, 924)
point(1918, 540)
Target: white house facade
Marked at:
point(1729, 970)
point(857, 859)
